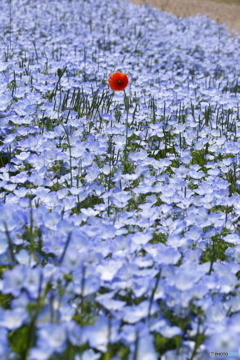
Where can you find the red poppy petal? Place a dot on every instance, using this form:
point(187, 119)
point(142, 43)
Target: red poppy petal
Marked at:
point(118, 81)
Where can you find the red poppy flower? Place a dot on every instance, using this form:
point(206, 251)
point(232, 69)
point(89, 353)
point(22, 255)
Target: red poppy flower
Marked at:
point(118, 81)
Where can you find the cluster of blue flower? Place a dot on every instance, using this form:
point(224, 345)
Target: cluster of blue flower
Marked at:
point(119, 239)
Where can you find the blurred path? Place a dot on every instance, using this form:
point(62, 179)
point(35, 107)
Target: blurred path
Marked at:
point(218, 11)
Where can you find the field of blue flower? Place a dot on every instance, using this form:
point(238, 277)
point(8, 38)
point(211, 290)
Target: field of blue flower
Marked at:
point(119, 220)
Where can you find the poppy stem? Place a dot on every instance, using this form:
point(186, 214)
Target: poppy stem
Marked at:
point(126, 103)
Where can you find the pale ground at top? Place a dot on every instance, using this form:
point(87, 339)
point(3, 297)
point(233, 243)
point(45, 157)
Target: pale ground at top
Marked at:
point(220, 12)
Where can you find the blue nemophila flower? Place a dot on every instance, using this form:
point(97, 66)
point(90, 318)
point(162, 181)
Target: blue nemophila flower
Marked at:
point(53, 242)
point(49, 200)
point(98, 229)
point(143, 283)
point(48, 313)
point(145, 348)
point(92, 173)
point(194, 233)
point(51, 220)
point(186, 351)
point(227, 278)
point(5, 100)
point(72, 259)
point(109, 268)
point(11, 218)
point(144, 261)
point(52, 336)
point(20, 302)
point(121, 245)
point(168, 255)
point(129, 332)
point(174, 240)
point(6, 258)
point(110, 304)
point(234, 322)
point(224, 341)
point(233, 253)
point(120, 199)
point(21, 192)
point(127, 271)
point(23, 108)
point(89, 212)
point(232, 304)
point(90, 286)
point(149, 215)
point(232, 238)
point(13, 319)
point(3, 243)
point(216, 313)
point(186, 276)
point(199, 215)
point(133, 314)
point(141, 238)
point(79, 239)
point(33, 281)
point(40, 353)
point(104, 331)
point(24, 258)
point(140, 341)
point(170, 331)
point(192, 255)
point(88, 355)
point(75, 333)
point(13, 280)
point(4, 348)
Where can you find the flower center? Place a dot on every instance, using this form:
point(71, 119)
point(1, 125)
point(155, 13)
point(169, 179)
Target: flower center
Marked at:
point(119, 82)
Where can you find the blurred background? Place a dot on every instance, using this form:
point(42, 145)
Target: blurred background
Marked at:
point(222, 11)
